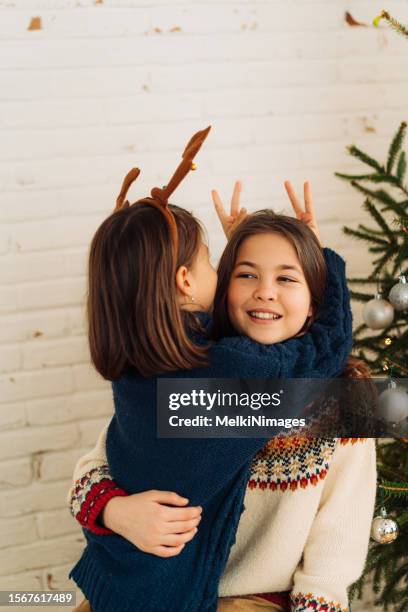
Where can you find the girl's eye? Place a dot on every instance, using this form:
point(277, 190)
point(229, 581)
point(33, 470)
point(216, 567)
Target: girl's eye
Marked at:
point(246, 275)
point(286, 279)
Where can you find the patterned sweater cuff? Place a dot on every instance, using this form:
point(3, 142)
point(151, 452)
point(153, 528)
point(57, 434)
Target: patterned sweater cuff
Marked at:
point(89, 496)
point(306, 602)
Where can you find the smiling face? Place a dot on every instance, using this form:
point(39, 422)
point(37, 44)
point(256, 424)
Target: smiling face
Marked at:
point(268, 297)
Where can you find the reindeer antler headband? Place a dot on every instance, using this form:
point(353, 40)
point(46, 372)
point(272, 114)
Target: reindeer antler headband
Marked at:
point(159, 197)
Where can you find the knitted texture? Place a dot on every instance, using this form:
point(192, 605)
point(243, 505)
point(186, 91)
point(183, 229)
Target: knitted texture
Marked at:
point(112, 573)
point(291, 462)
point(89, 496)
point(306, 602)
point(276, 528)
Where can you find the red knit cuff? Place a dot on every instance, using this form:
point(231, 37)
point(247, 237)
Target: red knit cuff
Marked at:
point(95, 502)
point(89, 496)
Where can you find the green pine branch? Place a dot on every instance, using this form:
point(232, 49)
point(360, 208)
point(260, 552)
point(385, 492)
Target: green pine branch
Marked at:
point(395, 147)
point(354, 177)
point(360, 297)
point(366, 236)
point(366, 159)
point(400, 208)
point(397, 26)
point(403, 519)
point(381, 222)
point(395, 489)
point(402, 166)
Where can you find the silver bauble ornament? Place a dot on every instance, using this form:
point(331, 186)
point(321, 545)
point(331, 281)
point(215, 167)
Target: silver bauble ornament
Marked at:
point(393, 404)
point(384, 530)
point(398, 295)
point(378, 313)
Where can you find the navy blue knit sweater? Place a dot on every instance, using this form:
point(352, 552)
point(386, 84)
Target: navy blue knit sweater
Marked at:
point(116, 576)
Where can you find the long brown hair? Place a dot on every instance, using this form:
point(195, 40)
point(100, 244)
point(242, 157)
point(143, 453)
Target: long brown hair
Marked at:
point(134, 319)
point(307, 248)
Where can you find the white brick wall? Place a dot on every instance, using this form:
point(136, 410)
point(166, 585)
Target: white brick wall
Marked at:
point(106, 85)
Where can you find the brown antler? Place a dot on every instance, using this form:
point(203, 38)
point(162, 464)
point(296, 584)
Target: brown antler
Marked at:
point(127, 181)
point(159, 197)
point(191, 150)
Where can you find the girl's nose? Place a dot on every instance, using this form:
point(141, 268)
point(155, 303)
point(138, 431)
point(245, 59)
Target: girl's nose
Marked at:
point(266, 292)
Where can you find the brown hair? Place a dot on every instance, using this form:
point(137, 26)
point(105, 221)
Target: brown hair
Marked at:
point(134, 319)
point(307, 248)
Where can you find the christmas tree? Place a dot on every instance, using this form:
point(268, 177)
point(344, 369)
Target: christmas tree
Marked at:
point(386, 351)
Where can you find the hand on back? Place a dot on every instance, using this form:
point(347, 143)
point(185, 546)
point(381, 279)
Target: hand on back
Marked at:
point(157, 522)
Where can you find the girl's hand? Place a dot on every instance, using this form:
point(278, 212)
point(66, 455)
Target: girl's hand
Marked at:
point(308, 215)
point(230, 222)
point(147, 521)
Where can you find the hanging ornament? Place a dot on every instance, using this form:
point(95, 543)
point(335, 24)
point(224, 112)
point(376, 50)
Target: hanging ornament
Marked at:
point(378, 313)
point(398, 295)
point(384, 530)
point(393, 404)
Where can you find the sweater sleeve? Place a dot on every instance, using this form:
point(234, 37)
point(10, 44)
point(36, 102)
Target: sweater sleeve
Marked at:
point(336, 549)
point(93, 486)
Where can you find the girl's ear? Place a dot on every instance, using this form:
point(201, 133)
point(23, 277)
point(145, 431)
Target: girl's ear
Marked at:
point(183, 281)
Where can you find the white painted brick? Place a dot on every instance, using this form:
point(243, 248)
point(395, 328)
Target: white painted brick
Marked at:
point(79, 83)
point(90, 430)
point(73, 407)
point(83, 23)
point(49, 353)
point(12, 415)
point(53, 173)
point(29, 385)
point(41, 204)
point(56, 523)
point(24, 582)
point(164, 107)
point(17, 443)
point(77, 319)
point(15, 473)
point(44, 324)
point(10, 359)
point(25, 267)
point(5, 240)
point(38, 497)
point(86, 378)
point(46, 294)
point(56, 578)
point(16, 531)
point(241, 75)
point(57, 466)
point(54, 234)
point(48, 114)
point(39, 554)
point(96, 53)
